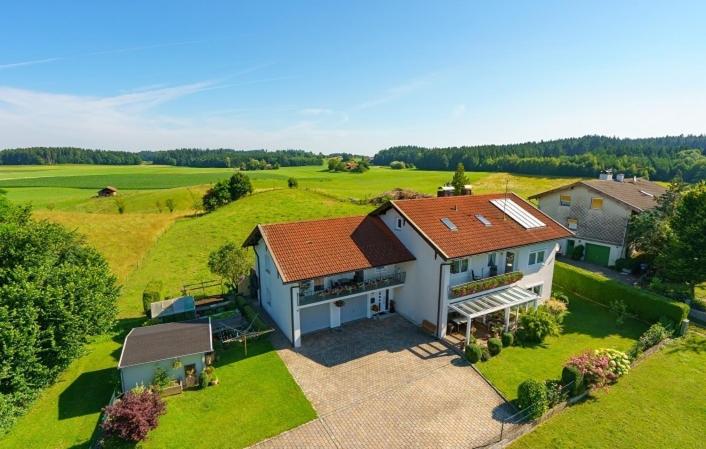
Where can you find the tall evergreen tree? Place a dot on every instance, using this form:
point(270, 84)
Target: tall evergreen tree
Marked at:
point(460, 179)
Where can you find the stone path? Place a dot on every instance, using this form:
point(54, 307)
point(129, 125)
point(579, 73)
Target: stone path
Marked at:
point(384, 384)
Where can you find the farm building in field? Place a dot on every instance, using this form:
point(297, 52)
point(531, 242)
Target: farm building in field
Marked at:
point(181, 349)
point(108, 191)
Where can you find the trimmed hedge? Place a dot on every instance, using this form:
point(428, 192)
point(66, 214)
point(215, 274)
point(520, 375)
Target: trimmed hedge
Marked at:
point(152, 293)
point(495, 346)
point(508, 339)
point(646, 305)
point(473, 353)
point(572, 375)
point(532, 396)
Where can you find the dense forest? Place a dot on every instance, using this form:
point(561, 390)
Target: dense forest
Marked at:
point(252, 159)
point(64, 155)
point(230, 158)
point(659, 158)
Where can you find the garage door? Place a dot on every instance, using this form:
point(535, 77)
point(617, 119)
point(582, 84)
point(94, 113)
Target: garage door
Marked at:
point(354, 309)
point(314, 318)
point(598, 254)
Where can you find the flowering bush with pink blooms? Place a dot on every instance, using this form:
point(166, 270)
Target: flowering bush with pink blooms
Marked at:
point(134, 415)
point(595, 367)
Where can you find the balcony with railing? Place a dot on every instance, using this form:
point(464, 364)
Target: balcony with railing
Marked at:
point(344, 289)
point(484, 284)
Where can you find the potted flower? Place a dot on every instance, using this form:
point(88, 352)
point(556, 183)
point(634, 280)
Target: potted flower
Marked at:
point(375, 308)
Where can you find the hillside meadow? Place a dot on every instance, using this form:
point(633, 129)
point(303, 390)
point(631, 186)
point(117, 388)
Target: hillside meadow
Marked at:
point(145, 243)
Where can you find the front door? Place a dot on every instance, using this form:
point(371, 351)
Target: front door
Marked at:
point(380, 301)
point(509, 262)
point(190, 378)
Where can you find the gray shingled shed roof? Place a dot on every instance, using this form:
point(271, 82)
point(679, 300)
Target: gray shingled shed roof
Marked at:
point(166, 341)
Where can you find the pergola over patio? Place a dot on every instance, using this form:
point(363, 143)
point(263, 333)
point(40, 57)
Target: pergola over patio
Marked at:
point(504, 299)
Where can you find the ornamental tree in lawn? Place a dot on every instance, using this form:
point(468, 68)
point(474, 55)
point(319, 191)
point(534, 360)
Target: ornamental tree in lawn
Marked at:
point(231, 263)
point(134, 415)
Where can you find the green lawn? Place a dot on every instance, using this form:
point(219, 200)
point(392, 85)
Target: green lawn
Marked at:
point(587, 326)
point(245, 407)
point(659, 404)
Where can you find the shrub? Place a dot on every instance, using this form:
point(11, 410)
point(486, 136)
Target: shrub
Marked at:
point(204, 379)
point(561, 296)
point(537, 324)
point(619, 361)
point(292, 183)
point(556, 308)
point(594, 367)
point(622, 264)
point(699, 304)
point(577, 252)
point(473, 353)
point(573, 376)
point(161, 379)
point(620, 309)
point(652, 336)
point(646, 305)
point(171, 205)
point(532, 396)
point(133, 416)
point(556, 394)
point(495, 345)
point(485, 355)
point(397, 165)
point(508, 339)
point(152, 293)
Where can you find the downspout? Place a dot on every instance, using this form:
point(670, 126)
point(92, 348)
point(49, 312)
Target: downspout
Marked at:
point(438, 302)
point(291, 304)
point(259, 279)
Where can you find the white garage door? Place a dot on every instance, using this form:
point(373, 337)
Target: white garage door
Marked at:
point(354, 309)
point(314, 318)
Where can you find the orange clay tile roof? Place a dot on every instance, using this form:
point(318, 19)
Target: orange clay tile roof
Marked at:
point(472, 236)
point(310, 249)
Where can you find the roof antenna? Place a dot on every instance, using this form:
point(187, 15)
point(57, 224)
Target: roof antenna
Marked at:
point(505, 202)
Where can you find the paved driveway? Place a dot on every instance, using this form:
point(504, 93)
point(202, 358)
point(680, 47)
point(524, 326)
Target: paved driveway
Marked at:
point(384, 384)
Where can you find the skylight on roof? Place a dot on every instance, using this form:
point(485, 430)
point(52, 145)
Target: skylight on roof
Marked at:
point(483, 220)
point(449, 224)
point(517, 213)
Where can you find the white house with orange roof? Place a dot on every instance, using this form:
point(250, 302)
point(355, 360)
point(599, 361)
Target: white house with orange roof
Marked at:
point(448, 264)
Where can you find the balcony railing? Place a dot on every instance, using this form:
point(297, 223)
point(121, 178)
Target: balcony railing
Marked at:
point(481, 285)
point(352, 288)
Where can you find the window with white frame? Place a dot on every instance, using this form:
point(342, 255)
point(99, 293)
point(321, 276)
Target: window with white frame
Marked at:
point(492, 260)
point(459, 266)
point(536, 289)
point(536, 257)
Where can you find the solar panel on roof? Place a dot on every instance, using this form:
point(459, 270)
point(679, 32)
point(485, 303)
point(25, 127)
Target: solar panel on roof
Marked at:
point(449, 224)
point(483, 220)
point(517, 213)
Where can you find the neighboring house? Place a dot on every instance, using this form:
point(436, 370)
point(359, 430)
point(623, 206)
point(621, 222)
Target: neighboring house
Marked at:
point(425, 259)
point(599, 211)
point(179, 348)
point(108, 191)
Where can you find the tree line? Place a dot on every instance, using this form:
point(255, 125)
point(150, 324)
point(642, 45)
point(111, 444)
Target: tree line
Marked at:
point(187, 157)
point(657, 158)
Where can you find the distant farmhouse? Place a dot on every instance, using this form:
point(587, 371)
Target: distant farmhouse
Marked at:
point(598, 211)
point(108, 191)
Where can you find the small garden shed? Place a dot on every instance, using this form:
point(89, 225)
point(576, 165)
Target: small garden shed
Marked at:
point(180, 348)
point(108, 191)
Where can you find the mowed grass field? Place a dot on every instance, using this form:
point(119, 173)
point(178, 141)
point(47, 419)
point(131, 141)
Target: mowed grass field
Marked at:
point(144, 244)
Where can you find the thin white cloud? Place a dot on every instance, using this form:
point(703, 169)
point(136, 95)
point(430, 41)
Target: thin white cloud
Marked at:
point(13, 65)
point(394, 93)
point(315, 111)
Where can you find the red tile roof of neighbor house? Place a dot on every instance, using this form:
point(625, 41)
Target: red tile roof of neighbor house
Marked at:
point(471, 235)
point(310, 249)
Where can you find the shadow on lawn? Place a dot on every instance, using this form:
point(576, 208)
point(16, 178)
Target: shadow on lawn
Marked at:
point(597, 321)
point(87, 394)
point(692, 343)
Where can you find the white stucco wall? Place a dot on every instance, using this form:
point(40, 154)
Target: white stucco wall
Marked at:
point(275, 296)
point(418, 299)
point(132, 376)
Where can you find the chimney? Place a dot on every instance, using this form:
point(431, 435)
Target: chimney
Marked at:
point(620, 177)
point(468, 189)
point(634, 179)
point(606, 175)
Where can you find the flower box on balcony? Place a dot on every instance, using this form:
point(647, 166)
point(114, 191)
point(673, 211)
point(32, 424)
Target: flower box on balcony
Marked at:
point(470, 288)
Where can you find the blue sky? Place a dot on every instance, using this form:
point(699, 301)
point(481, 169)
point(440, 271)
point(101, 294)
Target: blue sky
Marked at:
point(357, 77)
